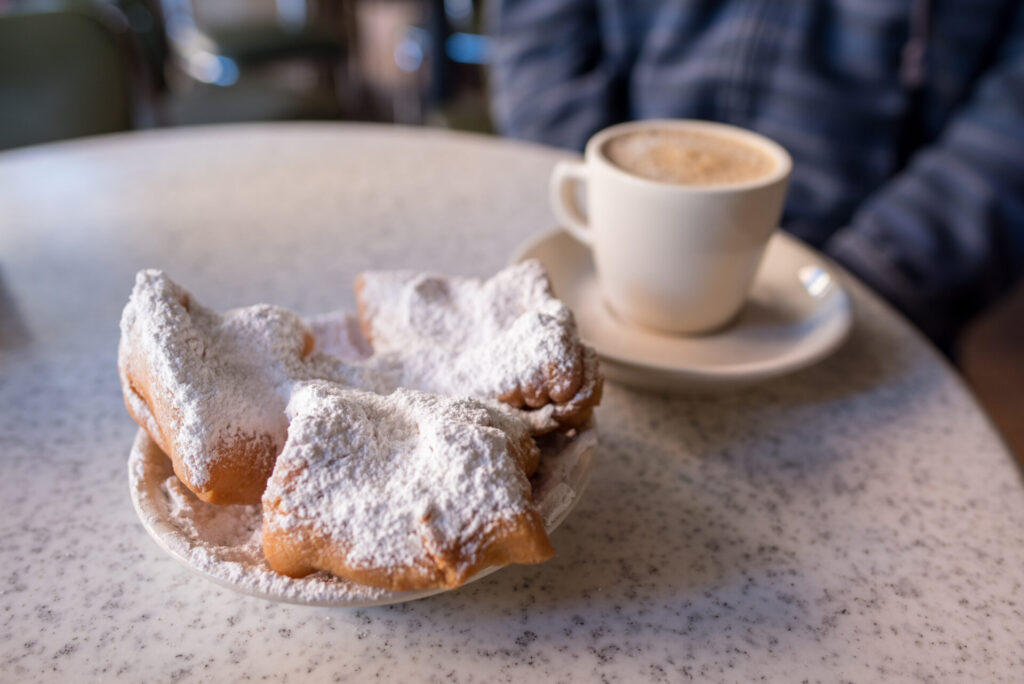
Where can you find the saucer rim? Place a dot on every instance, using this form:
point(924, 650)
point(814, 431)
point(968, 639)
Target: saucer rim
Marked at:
point(841, 322)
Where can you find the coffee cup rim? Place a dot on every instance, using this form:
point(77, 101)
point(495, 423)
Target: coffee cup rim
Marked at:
point(783, 161)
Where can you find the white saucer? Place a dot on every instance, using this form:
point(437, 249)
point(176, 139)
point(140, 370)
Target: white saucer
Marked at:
point(797, 314)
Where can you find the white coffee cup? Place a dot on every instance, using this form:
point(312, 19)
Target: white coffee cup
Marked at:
point(675, 257)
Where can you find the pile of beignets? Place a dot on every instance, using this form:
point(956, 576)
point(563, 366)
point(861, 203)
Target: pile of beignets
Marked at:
point(406, 469)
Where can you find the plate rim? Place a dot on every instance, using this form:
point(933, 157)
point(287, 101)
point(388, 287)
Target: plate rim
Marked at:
point(160, 530)
point(747, 372)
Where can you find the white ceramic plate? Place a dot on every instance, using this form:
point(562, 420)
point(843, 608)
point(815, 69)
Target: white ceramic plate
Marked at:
point(796, 315)
point(222, 543)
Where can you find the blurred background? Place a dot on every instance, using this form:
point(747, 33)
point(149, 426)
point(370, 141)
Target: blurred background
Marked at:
point(82, 67)
point(72, 68)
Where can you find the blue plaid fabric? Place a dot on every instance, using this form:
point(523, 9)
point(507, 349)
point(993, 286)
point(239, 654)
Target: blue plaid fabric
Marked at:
point(905, 117)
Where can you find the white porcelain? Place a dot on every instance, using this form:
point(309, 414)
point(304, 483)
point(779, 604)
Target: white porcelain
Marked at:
point(679, 258)
point(796, 314)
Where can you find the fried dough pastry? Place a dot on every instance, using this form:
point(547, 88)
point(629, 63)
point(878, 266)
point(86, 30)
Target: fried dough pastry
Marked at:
point(402, 491)
point(506, 338)
point(210, 389)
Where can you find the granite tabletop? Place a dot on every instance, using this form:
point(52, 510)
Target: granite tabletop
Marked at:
point(856, 521)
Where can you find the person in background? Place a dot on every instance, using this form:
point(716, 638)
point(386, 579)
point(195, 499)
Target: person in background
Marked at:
point(905, 118)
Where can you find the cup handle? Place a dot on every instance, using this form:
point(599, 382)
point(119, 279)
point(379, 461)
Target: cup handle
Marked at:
point(564, 179)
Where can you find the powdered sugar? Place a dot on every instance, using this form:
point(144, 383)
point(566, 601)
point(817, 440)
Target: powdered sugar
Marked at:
point(232, 375)
point(337, 334)
point(396, 479)
point(466, 336)
point(237, 527)
point(221, 377)
point(225, 379)
point(223, 543)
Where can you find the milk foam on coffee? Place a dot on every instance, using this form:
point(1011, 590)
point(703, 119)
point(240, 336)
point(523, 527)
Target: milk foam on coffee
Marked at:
point(687, 157)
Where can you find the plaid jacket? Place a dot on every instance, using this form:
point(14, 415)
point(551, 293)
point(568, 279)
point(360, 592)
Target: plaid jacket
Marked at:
point(905, 117)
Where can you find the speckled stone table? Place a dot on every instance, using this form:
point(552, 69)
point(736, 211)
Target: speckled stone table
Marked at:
point(858, 521)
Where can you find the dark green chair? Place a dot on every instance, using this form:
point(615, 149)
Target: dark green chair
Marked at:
point(231, 66)
point(63, 74)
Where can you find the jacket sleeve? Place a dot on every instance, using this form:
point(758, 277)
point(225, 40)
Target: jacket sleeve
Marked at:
point(946, 236)
point(549, 81)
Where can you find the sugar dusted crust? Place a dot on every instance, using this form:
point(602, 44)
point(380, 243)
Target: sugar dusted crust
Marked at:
point(411, 490)
point(506, 338)
point(209, 388)
point(212, 391)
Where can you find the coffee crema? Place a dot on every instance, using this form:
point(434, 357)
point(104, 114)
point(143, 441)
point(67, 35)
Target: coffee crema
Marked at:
point(687, 157)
